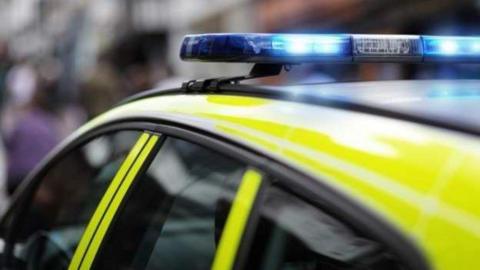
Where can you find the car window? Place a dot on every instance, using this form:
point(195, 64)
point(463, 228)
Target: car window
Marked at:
point(65, 199)
point(295, 235)
point(175, 213)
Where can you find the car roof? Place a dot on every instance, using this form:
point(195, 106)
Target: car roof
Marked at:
point(449, 101)
point(452, 104)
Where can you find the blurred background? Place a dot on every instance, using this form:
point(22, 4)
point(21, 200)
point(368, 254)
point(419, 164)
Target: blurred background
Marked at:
point(64, 62)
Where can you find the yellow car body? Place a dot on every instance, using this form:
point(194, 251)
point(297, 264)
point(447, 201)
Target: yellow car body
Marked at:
point(418, 177)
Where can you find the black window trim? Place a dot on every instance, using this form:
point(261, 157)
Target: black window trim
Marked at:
point(309, 187)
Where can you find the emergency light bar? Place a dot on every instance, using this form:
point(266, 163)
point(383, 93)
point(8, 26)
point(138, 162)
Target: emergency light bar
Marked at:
point(301, 48)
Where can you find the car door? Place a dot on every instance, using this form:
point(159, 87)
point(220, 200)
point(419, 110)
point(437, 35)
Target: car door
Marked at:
point(45, 224)
point(200, 204)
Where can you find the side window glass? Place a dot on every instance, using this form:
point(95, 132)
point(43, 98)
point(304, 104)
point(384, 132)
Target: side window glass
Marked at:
point(65, 200)
point(295, 235)
point(175, 213)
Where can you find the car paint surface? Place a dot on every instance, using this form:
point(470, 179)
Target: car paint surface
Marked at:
point(423, 180)
point(451, 101)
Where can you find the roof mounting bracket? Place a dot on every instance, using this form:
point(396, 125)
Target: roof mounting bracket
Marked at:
point(258, 71)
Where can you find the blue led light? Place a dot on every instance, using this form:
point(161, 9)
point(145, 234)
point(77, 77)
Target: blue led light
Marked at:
point(448, 47)
point(445, 48)
point(475, 48)
point(320, 45)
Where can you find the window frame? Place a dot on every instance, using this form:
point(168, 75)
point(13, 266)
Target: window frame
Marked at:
point(308, 187)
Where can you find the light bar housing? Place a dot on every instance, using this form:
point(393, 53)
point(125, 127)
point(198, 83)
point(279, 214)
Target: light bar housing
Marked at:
point(328, 48)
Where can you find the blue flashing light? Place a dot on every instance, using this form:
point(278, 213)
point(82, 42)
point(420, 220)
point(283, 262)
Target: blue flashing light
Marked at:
point(314, 45)
point(444, 48)
point(448, 47)
point(300, 48)
point(475, 48)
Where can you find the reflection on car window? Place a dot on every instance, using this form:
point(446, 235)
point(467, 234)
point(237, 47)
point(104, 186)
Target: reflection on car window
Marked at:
point(66, 199)
point(294, 235)
point(175, 213)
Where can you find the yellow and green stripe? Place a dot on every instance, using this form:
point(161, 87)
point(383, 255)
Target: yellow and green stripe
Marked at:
point(106, 209)
point(237, 220)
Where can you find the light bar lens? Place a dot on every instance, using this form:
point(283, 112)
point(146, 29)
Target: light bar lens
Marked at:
point(312, 45)
point(300, 48)
point(266, 48)
point(451, 48)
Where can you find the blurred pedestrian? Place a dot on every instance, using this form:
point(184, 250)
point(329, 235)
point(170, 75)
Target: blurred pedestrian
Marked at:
point(5, 65)
point(33, 134)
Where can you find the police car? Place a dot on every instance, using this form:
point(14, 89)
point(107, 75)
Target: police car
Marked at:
point(223, 175)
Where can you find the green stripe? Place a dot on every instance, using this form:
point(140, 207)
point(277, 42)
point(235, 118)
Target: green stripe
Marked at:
point(237, 220)
point(111, 211)
point(104, 202)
